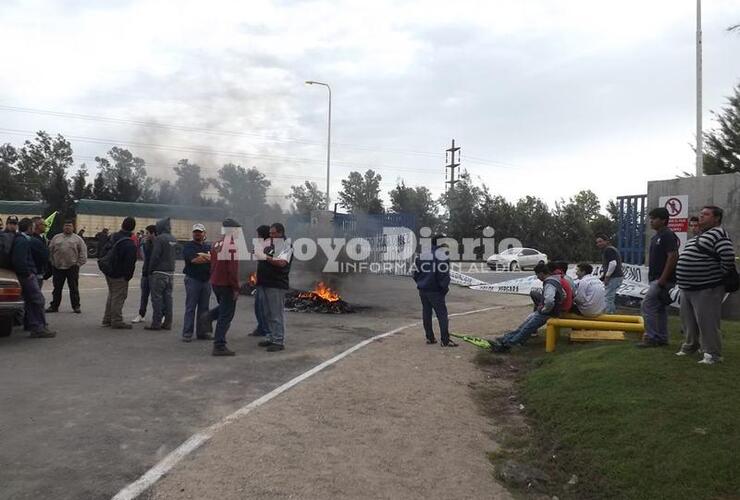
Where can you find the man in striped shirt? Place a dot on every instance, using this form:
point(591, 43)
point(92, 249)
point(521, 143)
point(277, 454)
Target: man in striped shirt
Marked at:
point(700, 271)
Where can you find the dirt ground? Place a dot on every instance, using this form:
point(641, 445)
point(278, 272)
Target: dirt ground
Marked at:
point(396, 419)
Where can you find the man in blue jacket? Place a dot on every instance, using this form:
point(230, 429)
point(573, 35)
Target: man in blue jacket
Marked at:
point(124, 264)
point(432, 276)
point(197, 256)
point(25, 269)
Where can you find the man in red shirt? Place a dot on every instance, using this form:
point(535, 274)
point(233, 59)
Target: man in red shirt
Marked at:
point(225, 284)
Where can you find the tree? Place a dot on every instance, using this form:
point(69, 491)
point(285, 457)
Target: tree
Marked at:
point(167, 194)
point(81, 189)
point(415, 200)
point(462, 202)
point(189, 185)
point(56, 192)
point(40, 160)
point(306, 198)
point(100, 190)
point(243, 190)
point(124, 176)
point(722, 146)
point(361, 194)
point(11, 187)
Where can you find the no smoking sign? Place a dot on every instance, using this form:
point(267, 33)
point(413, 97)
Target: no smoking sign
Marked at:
point(674, 206)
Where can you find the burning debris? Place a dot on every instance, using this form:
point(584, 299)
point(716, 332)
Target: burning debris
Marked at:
point(321, 299)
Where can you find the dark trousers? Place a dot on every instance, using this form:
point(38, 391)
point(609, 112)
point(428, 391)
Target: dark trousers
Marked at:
point(72, 277)
point(144, 285)
point(197, 299)
point(223, 313)
point(434, 301)
point(33, 302)
point(161, 289)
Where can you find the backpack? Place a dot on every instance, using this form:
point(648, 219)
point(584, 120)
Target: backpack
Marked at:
point(105, 263)
point(6, 248)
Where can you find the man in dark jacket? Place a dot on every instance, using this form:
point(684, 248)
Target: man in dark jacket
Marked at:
point(146, 242)
point(124, 264)
point(432, 276)
point(197, 256)
point(40, 249)
point(272, 275)
point(25, 269)
point(162, 269)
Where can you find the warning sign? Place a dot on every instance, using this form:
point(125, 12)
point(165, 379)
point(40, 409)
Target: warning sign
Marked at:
point(678, 210)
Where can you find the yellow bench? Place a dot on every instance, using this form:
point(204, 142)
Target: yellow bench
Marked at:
point(609, 322)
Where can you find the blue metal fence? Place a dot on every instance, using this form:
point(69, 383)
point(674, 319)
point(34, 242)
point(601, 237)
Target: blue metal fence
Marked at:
point(631, 231)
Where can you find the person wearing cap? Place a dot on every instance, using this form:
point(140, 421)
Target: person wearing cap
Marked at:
point(11, 224)
point(225, 283)
point(197, 256)
point(162, 268)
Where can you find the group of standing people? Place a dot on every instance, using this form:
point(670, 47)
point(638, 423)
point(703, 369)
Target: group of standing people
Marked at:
point(210, 269)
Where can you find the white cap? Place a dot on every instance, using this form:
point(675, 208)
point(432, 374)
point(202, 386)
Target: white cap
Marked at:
point(199, 227)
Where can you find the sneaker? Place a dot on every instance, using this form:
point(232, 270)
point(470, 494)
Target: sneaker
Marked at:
point(431, 341)
point(43, 333)
point(222, 351)
point(256, 333)
point(265, 343)
point(187, 339)
point(51, 309)
point(105, 325)
point(122, 326)
point(275, 348)
point(152, 327)
point(449, 343)
point(138, 319)
point(77, 310)
point(166, 326)
point(205, 336)
point(710, 360)
point(685, 353)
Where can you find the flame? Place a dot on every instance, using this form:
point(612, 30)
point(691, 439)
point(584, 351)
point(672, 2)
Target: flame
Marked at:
point(321, 291)
point(252, 279)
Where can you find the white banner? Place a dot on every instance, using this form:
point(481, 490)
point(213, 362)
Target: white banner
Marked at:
point(634, 285)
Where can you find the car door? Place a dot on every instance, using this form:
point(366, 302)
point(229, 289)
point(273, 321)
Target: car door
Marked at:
point(527, 258)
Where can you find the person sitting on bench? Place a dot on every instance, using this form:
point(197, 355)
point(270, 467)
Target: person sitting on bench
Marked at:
point(556, 298)
point(590, 295)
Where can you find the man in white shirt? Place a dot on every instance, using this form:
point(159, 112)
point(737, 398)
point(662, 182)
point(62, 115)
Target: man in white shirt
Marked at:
point(590, 294)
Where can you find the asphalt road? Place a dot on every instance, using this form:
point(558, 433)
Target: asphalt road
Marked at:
point(87, 412)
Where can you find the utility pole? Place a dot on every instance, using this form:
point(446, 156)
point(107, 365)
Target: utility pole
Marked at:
point(699, 133)
point(452, 164)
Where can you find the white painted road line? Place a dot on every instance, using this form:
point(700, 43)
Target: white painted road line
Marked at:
point(151, 476)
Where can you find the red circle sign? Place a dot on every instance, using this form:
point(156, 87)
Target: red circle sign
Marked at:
point(674, 206)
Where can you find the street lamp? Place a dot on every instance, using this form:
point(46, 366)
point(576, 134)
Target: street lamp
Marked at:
point(328, 138)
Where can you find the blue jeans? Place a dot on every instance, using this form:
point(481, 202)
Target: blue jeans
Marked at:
point(33, 302)
point(434, 301)
point(223, 313)
point(654, 312)
point(611, 294)
point(263, 325)
point(144, 295)
point(520, 336)
point(274, 306)
point(197, 298)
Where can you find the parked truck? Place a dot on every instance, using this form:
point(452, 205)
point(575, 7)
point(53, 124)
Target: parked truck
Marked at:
point(95, 215)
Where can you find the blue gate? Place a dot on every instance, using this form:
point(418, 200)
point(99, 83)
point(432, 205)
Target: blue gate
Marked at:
point(631, 231)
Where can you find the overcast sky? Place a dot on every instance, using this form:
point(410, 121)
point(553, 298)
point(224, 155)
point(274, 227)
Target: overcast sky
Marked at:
point(544, 97)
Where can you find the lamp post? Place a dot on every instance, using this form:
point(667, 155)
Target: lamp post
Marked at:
point(328, 138)
point(699, 132)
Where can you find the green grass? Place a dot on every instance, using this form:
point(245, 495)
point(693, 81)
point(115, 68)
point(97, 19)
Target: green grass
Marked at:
point(640, 423)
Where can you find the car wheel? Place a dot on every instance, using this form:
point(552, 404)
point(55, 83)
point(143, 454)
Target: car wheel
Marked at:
point(6, 326)
point(514, 266)
point(541, 262)
point(92, 251)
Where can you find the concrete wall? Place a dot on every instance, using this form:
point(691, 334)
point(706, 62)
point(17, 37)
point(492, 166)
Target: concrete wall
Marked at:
point(720, 190)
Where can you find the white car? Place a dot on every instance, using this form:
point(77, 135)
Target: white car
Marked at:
point(515, 259)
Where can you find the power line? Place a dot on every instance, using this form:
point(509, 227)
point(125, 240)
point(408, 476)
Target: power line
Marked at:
point(232, 133)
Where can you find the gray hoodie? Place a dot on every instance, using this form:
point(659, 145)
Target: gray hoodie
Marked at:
point(163, 249)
